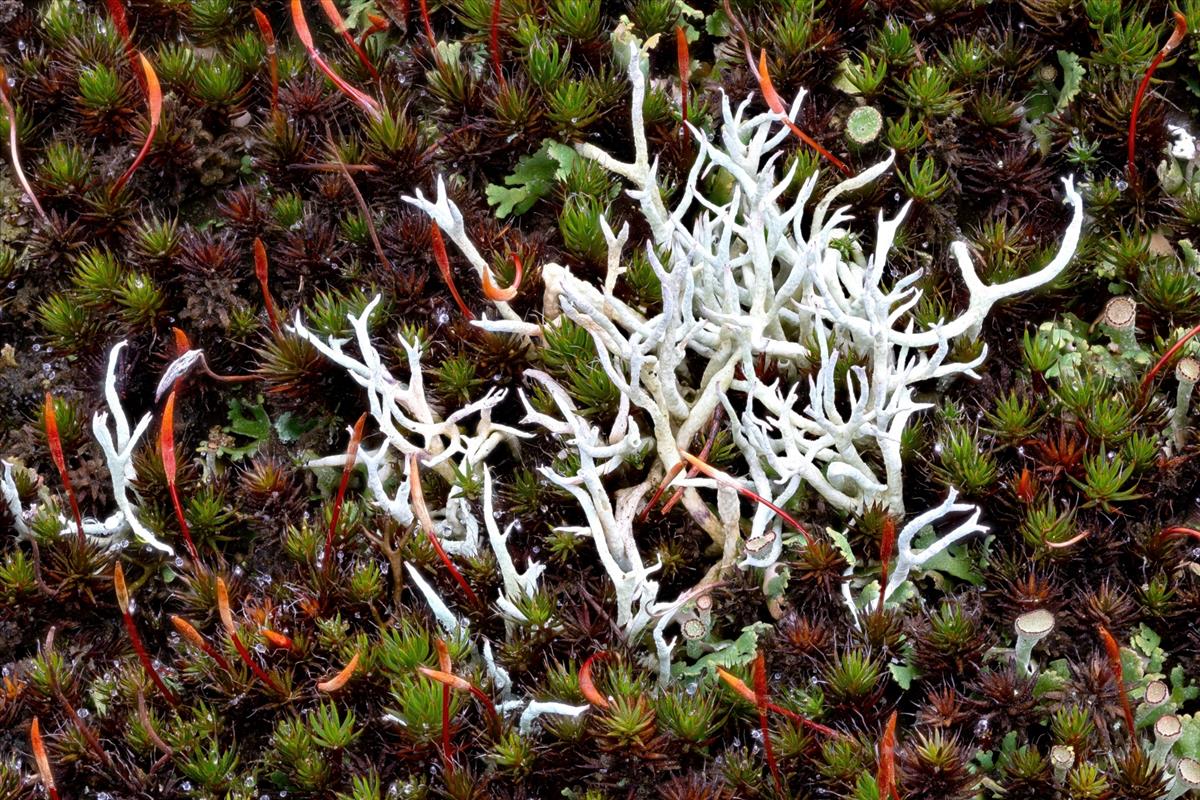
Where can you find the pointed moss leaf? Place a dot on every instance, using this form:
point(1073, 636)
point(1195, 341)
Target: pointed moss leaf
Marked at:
point(842, 80)
point(866, 788)
point(357, 13)
point(1073, 71)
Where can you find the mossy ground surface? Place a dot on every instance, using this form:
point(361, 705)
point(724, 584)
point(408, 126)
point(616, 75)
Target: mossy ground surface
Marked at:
point(1073, 460)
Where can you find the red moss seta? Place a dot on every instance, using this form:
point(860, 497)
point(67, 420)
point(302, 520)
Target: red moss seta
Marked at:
point(189, 632)
point(335, 19)
point(261, 268)
point(494, 42)
point(122, 592)
point(443, 653)
point(428, 23)
point(154, 104)
point(762, 702)
point(1113, 651)
point(587, 686)
point(658, 493)
point(776, 104)
point(378, 25)
point(117, 11)
point(463, 685)
point(713, 429)
point(887, 543)
point(885, 777)
point(458, 576)
point(1179, 530)
point(347, 469)
point(14, 149)
point(746, 693)
point(166, 448)
point(683, 57)
point(1173, 42)
point(226, 615)
point(417, 496)
point(720, 476)
point(1166, 357)
point(60, 462)
point(493, 292)
point(344, 168)
point(258, 671)
point(268, 37)
point(368, 104)
point(41, 759)
point(443, 262)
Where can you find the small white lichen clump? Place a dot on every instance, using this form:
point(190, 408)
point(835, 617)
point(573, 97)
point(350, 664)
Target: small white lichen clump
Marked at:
point(118, 445)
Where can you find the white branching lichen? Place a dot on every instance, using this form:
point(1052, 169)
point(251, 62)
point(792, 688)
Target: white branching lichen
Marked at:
point(757, 276)
point(118, 455)
point(117, 445)
point(12, 500)
point(404, 415)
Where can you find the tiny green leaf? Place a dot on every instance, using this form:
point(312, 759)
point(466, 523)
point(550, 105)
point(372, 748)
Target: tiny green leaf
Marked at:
point(532, 180)
point(1073, 71)
point(843, 546)
point(902, 674)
